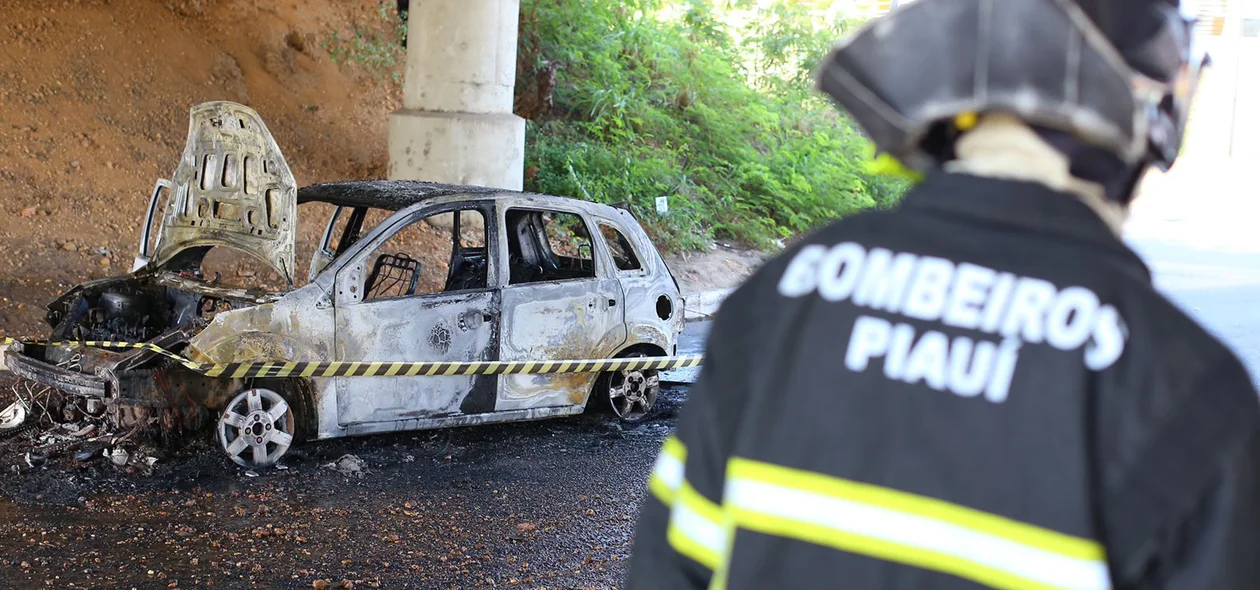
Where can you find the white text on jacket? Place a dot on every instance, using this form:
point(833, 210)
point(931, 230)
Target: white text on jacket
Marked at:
point(1013, 309)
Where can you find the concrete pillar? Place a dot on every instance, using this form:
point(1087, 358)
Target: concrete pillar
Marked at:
point(456, 124)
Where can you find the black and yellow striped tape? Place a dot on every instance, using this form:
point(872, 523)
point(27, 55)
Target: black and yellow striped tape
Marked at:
point(395, 369)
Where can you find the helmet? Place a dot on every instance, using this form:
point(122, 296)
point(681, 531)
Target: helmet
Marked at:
point(1115, 75)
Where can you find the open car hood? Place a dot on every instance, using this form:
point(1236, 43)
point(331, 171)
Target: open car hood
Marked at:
point(232, 188)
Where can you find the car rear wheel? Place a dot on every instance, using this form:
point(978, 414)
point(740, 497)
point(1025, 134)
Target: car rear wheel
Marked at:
point(631, 393)
point(256, 428)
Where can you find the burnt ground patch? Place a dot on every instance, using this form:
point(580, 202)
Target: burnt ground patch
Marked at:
point(548, 504)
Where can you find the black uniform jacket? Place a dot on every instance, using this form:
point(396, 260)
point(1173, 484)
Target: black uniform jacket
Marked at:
point(978, 389)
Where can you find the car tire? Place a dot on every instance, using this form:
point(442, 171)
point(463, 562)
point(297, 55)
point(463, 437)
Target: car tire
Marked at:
point(256, 428)
point(630, 395)
point(300, 395)
point(298, 420)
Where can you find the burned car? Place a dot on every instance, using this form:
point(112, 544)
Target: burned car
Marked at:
point(511, 277)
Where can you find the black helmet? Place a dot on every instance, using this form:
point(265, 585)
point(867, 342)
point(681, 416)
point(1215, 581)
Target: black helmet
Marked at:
point(1117, 75)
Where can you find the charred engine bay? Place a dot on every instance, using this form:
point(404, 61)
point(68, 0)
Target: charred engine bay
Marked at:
point(141, 307)
point(128, 392)
point(549, 504)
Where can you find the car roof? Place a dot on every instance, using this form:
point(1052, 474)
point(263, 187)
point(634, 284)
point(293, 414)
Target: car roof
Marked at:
point(394, 195)
point(385, 194)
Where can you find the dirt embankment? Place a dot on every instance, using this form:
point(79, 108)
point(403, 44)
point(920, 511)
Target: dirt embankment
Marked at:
point(94, 99)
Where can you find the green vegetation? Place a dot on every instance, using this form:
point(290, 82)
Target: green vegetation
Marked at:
point(708, 102)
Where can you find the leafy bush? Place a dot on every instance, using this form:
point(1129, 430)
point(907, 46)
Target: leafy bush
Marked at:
point(708, 102)
point(377, 47)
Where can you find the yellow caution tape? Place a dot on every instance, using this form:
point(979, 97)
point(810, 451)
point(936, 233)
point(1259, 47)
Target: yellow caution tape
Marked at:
point(392, 368)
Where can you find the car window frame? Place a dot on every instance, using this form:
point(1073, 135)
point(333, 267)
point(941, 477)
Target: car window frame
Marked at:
point(325, 240)
point(599, 257)
point(355, 259)
point(642, 271)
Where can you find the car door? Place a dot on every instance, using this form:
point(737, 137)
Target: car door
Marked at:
point(411, 294)
point(559, 303)
point(653, 309)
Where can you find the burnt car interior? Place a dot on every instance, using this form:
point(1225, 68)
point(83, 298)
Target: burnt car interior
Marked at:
point(534, 237)
point(622, 251)
point(399, 270)
point(407, 264)
point(469, 267)
point(543, 246)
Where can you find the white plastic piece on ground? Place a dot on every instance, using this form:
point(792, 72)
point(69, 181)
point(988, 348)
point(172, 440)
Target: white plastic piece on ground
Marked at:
point(702, 306)
point(13, 416)
point(119, 456)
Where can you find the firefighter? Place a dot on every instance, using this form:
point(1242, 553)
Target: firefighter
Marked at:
point(980, 388)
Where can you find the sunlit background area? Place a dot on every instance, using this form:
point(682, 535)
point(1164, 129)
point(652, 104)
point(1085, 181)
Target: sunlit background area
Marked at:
point(1196, 224)
point(1212, 185)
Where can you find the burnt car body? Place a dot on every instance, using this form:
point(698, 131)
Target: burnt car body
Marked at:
point(518, 277)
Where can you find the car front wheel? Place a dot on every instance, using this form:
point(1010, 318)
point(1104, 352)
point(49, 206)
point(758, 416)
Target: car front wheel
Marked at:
point(256, 428)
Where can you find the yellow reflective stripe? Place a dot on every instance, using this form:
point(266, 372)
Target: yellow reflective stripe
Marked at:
point(674, 448)
point(722, 572)
point(667, 475)
point(696, 527)
point(906, 528)
point(877, 548)
point(993, 524)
